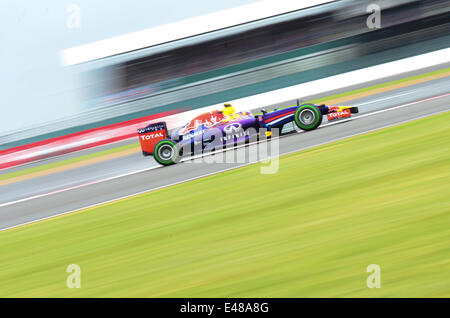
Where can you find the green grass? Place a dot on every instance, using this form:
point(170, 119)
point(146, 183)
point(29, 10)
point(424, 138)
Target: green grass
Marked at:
point(23, 172)
point(102, 153)
point(373, 87)
point(382, 85)
point(309, 230)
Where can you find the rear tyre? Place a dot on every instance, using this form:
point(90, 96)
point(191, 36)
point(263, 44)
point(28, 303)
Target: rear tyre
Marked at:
point(166, 152)
point(308, 117)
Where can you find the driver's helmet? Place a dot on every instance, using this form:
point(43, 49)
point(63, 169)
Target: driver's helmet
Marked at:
point(228, 109)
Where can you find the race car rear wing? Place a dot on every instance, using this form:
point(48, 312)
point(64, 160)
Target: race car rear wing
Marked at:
point(150, 135)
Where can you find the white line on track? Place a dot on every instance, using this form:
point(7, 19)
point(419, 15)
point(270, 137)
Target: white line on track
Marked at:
point(383, 99)
point(216, 172)
point(211, 173)
point(203, 155)
point(72, 154)
point(75, 187)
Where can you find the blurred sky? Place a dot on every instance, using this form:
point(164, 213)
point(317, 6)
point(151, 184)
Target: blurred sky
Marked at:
point(34, 86)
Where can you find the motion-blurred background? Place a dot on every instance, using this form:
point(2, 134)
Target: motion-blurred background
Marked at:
point(45, 96)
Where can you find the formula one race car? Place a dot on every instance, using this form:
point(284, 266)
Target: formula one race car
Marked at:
point(219, 129)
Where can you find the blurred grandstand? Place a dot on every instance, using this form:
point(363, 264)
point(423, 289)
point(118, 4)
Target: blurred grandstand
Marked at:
point(226, 54)
point(236, 61)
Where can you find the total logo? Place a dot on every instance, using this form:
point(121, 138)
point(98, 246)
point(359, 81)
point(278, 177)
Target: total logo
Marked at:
point(152, 136)
point(342, 114)
point(232, 128)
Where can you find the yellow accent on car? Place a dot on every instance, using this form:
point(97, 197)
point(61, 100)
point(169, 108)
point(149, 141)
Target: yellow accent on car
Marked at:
point(228, 110)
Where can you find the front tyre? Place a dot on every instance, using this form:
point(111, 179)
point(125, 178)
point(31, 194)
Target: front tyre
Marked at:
point(308, 117)
point(166, 152)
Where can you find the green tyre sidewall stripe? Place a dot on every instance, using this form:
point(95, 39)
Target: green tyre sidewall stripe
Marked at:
point(161, 161)
point(316, 122)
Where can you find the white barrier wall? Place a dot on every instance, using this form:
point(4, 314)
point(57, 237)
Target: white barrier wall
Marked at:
point(323, 85)
point(104, 135)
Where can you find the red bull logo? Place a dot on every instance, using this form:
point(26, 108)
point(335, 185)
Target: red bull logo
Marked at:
point(334, 108)
point(207, 120)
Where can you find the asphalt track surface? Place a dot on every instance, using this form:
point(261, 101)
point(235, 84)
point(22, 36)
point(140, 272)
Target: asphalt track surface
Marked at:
point(59, 193)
